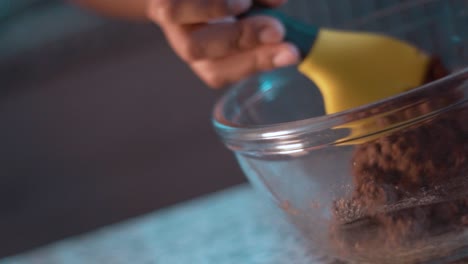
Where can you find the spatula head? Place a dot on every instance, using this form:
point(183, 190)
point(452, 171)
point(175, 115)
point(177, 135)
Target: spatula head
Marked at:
point(354, 68)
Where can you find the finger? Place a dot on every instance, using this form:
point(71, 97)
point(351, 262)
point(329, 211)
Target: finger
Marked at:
point(223, 39)
point(195, 11)
point(218, 73)
point(199, 11)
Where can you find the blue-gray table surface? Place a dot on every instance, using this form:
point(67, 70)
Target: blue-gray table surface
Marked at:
point(235, 226)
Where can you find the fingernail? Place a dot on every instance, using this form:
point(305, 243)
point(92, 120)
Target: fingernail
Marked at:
point(270, 35)
point(287, 56)
point(238, 6)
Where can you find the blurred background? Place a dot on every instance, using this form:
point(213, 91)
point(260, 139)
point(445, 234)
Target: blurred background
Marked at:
point(100, 122)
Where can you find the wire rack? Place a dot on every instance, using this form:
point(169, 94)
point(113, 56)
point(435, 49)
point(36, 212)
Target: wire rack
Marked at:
point(437, 26)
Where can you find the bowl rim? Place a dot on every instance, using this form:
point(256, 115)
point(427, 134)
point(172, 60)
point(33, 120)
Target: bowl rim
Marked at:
point(286, 136)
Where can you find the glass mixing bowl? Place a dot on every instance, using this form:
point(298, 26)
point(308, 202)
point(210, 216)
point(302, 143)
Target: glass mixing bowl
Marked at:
point(382, 183)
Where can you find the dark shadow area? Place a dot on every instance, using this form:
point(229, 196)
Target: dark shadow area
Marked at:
point(100, 122)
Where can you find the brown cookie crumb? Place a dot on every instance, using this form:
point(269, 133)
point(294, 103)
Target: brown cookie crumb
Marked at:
point(401, 194)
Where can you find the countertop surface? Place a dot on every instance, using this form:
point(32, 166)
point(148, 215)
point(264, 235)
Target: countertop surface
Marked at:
point(235, 226)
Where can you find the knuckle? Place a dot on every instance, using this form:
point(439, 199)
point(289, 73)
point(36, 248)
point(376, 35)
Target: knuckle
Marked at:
point(214, 80)
point(237, 7)
point(246, 34)
point(222, 8)
point(263, 61)
point(258, 30)
point(210, 75)
point(161, 10)
point(190, 50)
point(216, 8)
point(235, 41)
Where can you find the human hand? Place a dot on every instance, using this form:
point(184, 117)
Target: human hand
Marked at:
point(218, 48)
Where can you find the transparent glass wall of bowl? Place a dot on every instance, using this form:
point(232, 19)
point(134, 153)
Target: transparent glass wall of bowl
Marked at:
point(307, 172)
point(275, 124)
